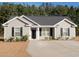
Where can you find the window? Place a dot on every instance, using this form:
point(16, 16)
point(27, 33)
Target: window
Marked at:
point(61, 31)
point(65, 31)
point(45, 31)
point(16, 31)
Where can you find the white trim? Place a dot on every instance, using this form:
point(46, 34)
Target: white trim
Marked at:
point(37, 33)
point(70, 22)
point(65, 20)
point(10, 20)
point(30, 19)
point(14, 19)
point(37, 23)
point(30, 35)
point(43, 26)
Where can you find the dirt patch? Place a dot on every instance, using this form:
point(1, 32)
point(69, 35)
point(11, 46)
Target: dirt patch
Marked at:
point(77, 38)
point(17, 49)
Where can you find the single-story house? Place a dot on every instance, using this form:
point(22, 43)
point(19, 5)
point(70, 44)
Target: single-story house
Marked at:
point(40, 27)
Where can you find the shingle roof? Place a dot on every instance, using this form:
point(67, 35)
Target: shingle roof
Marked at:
point(47, 20)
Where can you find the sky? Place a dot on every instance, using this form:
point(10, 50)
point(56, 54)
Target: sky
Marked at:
point(75, 4)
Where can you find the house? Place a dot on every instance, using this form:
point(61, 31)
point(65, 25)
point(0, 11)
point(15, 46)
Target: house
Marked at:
point(40, 27)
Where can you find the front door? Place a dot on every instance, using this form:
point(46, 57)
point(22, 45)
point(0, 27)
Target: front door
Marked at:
point(33, 33)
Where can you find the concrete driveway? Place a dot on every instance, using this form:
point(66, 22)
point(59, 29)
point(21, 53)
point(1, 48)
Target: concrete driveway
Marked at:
point(53, 48)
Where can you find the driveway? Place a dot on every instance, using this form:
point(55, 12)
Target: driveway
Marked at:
point(53, 48)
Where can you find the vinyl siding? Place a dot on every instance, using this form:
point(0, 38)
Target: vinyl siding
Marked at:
point(64, 24)
point(15, 23)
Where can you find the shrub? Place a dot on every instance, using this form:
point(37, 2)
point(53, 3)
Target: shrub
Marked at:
point(24, 38)
point(10, 40)
point(17, 39)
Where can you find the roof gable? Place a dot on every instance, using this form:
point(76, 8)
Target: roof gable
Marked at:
point(67, 21)
point(6, 23)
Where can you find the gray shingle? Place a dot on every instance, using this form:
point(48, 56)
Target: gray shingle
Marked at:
point(47, 20)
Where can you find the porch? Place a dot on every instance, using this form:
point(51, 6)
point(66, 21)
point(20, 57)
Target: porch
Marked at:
point(51, 33)
point(42, 33)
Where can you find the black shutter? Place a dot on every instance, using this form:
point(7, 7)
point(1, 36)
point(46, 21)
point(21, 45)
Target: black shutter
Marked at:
point(51, 32)
point(68, 32)
point(40, 31)
point(12, 31)
point(61, 31)
point(21, 31)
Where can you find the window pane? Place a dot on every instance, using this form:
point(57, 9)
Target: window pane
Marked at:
point(66, 31)
point(45, 31)
point(17, 31)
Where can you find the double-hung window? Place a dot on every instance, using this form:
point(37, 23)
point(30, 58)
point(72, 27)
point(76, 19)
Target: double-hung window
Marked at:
point(45, 31)
point(16, 31)
point(65, 31)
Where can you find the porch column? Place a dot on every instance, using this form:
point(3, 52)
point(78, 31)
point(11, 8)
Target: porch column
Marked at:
point(37, 34)
point(55, 33)
point(30, 33)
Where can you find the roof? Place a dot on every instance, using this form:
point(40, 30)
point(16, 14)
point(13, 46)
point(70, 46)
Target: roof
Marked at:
point(42, 20)
point(47, 20)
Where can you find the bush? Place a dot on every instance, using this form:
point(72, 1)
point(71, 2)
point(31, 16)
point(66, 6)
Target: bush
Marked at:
point(17, 39)
point(24, 38)
point(10, 40)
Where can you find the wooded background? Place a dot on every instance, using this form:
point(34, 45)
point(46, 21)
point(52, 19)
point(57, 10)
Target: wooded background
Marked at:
point(10, 10)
